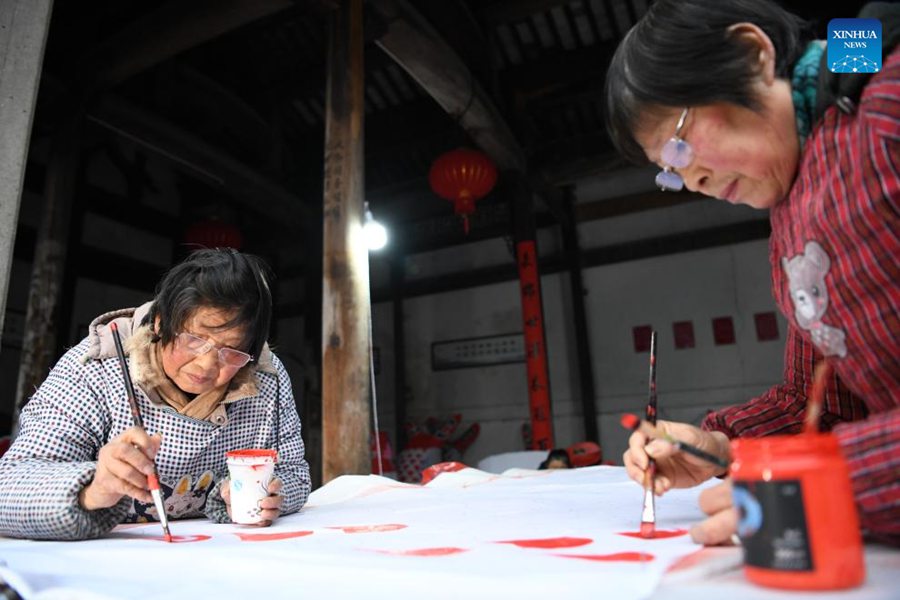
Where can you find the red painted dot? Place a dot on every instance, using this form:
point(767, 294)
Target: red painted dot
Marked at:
point(425, 551)
point(271, 537)
point(181, 539)
point(659, 534)
point(557, 542)
point(617, 557)
point(370, 528)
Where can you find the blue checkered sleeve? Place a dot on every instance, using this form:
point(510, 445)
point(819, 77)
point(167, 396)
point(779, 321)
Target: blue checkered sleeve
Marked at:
point(53, 459)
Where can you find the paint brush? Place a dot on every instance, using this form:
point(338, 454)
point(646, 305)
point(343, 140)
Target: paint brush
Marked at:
point(153, 478)
point(648, 512)
point(633, 423)
point(817, 397)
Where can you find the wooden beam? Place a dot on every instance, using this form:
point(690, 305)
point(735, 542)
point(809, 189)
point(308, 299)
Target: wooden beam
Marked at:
point(557, 71)
point(421, 51)
point(346, 310)
point(99, 265)
point(632, 203)
point(167, 31)
point(576, 156)
point(580, 167)
point(515, 10)
point(196, 157)
point(572, 249)
point(712, 237)
point(400, 408)
point(23, 33)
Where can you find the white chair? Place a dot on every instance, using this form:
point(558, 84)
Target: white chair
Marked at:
point(498, 463)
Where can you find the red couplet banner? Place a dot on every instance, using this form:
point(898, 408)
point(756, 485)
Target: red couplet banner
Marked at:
point(535, 347)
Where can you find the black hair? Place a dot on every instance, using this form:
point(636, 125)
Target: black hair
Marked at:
point(681, 54)
point(556, 454)
point(224, 279)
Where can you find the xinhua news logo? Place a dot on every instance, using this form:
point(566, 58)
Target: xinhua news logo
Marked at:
point(854, 45)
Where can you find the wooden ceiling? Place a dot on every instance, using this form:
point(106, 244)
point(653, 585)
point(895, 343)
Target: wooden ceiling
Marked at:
point(231, 93)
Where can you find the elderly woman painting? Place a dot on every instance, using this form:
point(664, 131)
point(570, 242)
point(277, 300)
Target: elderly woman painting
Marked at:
point(205, 382)
point(732, 101)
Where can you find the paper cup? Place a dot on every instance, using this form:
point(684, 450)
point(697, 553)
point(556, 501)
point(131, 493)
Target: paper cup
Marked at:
point(250, 472)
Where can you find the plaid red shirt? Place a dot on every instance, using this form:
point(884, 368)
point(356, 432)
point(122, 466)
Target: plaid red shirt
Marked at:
point(846, 200)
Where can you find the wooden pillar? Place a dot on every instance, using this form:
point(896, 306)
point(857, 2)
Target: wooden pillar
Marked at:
point(397, 277)
point(23, 33)
point(525, 236)
point(345, 268)
point(572, 251)
point(49, 266)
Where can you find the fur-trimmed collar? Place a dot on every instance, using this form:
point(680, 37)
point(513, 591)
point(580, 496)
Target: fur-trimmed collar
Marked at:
point(136, 339)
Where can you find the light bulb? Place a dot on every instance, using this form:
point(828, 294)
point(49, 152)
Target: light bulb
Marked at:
point(375, 234)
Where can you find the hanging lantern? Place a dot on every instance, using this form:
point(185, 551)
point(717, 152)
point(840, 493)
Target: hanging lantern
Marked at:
point(463, 176)
point(213, 233)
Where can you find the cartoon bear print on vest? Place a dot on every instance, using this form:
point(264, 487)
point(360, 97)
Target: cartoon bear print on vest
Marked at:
point(806, 281)
point(182, 500)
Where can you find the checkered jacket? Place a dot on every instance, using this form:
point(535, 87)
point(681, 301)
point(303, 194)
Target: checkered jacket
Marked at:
point(82, 405)
point(846, 199)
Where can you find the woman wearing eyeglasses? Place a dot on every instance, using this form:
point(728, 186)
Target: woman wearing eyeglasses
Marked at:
point(735, 101)
point(206, 383)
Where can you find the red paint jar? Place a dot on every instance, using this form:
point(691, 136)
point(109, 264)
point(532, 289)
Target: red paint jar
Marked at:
point(798, 521)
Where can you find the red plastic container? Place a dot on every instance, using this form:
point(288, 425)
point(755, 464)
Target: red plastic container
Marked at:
point(799, 525)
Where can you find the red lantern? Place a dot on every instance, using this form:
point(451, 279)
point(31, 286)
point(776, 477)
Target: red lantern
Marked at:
point(214, 233)
point(463, 176)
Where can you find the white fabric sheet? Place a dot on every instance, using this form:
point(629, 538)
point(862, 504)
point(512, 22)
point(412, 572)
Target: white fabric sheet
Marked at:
point(372, 537)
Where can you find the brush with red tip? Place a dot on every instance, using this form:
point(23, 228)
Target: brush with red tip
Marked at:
point(633, 423)
point(153, 478)
point(648, 512)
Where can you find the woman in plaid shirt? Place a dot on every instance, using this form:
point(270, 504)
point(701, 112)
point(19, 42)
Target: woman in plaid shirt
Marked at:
point(205, 383)
point(732, 101)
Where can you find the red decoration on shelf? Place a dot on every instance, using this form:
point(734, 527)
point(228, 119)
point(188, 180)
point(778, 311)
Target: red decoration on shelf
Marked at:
point(214, 233)
point(463, 176)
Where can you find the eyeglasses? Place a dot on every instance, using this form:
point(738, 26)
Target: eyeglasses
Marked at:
point(198, 346)
point(676, 154)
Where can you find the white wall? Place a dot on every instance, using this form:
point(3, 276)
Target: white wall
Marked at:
point(696, 286)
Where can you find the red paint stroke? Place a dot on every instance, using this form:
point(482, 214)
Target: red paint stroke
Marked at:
point(425, 551)
point(557, 542)
point(271, 537)
point(370, 528)
point(659, 534)
point(180, 539)
point(617, 557)
point(693, 559)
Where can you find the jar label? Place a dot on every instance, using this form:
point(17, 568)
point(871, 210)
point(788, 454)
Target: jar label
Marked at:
point(772, 525)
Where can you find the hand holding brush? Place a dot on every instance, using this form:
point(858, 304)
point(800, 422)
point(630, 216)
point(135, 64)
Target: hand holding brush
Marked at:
point(633, 423)
point(675, 468)
point(152, 481)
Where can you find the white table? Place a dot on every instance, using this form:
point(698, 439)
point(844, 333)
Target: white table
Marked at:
point(471, 534)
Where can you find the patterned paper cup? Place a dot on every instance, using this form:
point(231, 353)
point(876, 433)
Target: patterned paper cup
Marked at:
point(250, 471)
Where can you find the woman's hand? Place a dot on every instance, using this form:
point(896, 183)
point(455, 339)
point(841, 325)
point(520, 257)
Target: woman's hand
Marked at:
point(675, 469)
point(270, 505)
point(122, 468)
point(721, 526)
